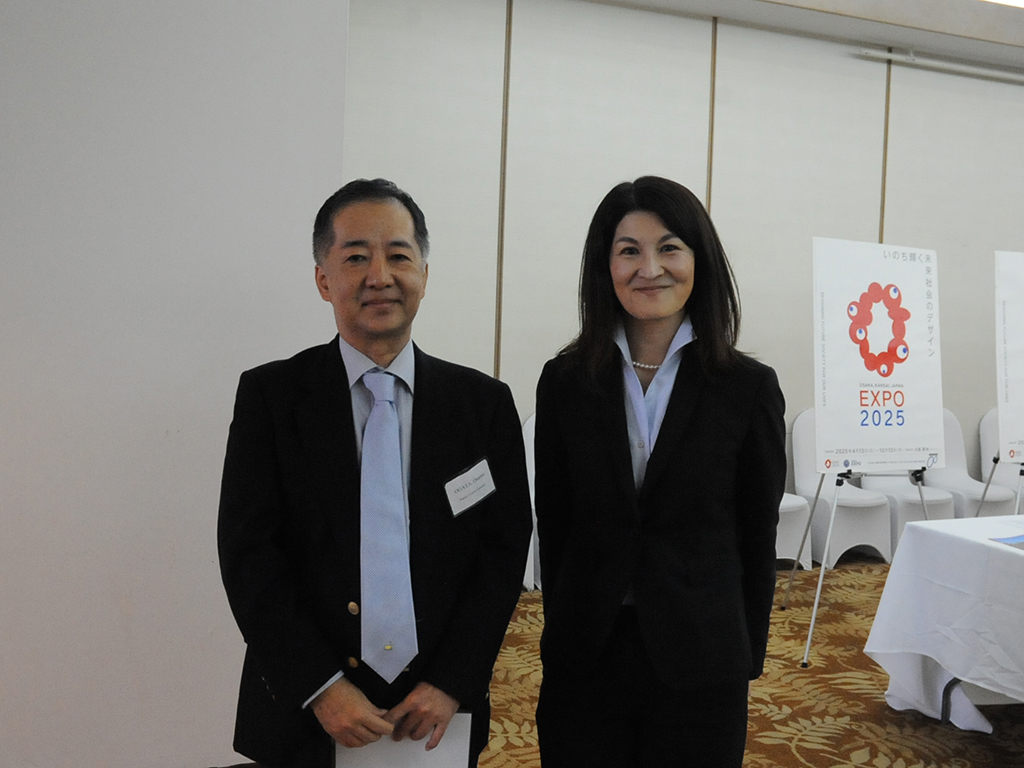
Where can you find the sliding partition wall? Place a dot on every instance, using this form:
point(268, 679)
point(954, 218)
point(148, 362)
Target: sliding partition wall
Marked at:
point(598, 95)
point(956, 184)
point(517, 117)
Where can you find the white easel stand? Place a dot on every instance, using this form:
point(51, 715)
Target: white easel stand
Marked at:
point(803, 541)
point(988, 482)
point(840, 478)
point(916, 477)
point(1020, 482)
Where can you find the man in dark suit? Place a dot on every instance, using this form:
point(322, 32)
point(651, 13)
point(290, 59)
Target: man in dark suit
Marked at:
point(289, 530)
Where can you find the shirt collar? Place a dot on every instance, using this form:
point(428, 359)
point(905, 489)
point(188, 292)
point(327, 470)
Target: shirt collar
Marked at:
point(356, 364)
point(684, 335)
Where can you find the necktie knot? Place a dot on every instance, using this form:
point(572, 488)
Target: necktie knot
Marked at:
point(381, 384)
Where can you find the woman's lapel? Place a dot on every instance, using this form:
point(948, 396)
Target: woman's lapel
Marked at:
point(690, 381)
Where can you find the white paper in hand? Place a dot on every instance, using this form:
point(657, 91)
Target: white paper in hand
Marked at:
point(452, 752)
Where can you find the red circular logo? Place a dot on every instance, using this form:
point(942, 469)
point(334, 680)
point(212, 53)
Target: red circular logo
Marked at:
point(860, 316)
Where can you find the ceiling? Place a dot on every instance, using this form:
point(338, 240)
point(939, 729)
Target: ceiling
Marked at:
point(961, 30)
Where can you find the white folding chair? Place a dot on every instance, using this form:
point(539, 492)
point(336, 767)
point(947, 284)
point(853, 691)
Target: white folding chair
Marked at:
point(965, 489)
point(862, 517)
point(793, 513)
point(905, 501)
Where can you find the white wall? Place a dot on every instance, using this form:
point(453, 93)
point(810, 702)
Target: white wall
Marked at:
point(424, 110)
point(798, 153)
point(956, 185)
point(160, 167)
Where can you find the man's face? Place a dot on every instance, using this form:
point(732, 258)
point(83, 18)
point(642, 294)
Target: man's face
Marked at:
point(374, 275)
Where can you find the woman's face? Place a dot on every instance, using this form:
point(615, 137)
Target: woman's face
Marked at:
point(652, 269)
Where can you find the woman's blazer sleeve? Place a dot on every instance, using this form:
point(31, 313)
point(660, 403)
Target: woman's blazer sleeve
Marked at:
point(552, 496)
point(761, 483)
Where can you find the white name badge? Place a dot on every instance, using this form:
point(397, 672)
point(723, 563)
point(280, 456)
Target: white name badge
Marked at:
point(470, 488)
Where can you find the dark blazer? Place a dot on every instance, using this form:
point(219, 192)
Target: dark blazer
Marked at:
point(288, 536)
point(696, 543)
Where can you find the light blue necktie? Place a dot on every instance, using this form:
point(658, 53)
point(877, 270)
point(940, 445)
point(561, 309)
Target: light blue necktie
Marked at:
point(388, 617)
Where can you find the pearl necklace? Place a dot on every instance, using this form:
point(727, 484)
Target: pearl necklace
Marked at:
point(645, 366)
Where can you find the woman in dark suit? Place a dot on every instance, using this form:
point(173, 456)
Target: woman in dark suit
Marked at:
point(660, 464)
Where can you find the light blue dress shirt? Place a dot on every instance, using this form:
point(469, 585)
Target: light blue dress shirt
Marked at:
point(646, 410)
point(404, 369)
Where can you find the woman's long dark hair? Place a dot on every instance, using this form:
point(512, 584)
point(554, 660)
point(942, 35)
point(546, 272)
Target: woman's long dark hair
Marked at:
point(713, 306)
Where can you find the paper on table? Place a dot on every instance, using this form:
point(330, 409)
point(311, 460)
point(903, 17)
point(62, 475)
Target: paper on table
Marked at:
point(452, 752)
point(1013, 541)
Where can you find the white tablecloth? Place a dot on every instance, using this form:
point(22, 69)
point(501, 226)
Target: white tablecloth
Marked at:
point(953, 606)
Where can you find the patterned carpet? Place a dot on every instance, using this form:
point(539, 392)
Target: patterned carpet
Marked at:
point(831, 715)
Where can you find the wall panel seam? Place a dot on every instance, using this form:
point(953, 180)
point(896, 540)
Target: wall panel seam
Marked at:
point(885, 153)
point(711, 110)
point(500, 266)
